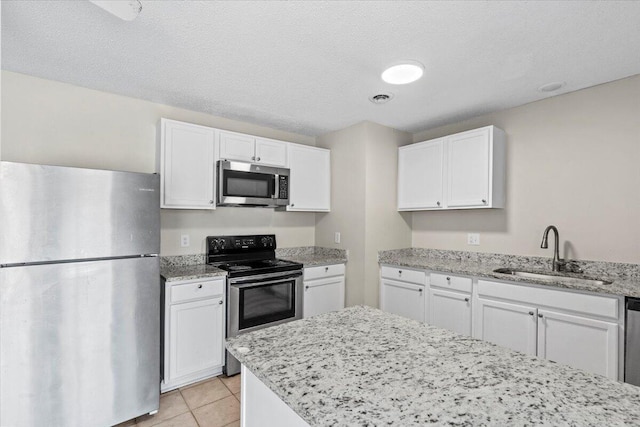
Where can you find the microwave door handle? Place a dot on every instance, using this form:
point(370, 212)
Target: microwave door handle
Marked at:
point(275, 180)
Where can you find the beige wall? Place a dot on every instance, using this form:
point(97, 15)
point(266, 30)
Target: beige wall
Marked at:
point(572, 161)
point(60, 124)
point(363, 197)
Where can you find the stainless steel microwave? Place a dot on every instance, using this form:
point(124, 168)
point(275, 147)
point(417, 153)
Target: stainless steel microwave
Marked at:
point(248, 184)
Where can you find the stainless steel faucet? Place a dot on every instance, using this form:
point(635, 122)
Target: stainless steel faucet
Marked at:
point(557, 262)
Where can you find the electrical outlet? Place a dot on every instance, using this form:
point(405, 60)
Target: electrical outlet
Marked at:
point(473, 239)
point(184, 240)
point(336, 237)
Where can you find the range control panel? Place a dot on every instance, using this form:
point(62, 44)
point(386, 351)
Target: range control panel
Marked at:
point(235, 244)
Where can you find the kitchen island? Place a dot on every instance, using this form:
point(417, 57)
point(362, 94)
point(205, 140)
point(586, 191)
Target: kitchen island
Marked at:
point(362, 366)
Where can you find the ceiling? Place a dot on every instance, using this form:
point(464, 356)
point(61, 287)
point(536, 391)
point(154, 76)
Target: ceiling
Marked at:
point(310, 66)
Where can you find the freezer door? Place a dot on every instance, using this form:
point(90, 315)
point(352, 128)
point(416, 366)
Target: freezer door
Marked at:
point(79, 342)
point(50, 213)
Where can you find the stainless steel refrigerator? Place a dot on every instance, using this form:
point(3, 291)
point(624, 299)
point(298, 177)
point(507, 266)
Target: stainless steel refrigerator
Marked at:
point(79, 295)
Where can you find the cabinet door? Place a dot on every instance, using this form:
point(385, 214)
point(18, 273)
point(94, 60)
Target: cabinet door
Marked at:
point(236, 146)
point(468, 160)
point(580, 342)
point(196, 336)
point(187, 166)
point(310, 179)
point(323, 296)
point(420, 176)
point(508, 325)
point(270, 152)
point(404, 299)
point(450, 310)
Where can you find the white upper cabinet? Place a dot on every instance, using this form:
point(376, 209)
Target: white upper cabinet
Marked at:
point(420, 183)
point(310, 178)
point(187, 165)
point(460, 171)
point(251, 149)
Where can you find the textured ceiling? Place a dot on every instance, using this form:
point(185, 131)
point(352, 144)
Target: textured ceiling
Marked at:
point(310, 66)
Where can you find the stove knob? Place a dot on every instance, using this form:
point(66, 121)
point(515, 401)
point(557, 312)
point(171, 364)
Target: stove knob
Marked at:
point(222, 243)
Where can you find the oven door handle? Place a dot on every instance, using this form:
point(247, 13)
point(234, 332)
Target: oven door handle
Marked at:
point(265, 279)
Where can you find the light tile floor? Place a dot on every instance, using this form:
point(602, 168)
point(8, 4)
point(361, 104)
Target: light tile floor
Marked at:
point(210, 403)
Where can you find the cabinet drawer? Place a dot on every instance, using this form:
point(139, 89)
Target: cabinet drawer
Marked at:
point(323, 271)
point(404, 274)
point(196, 290)
point(451, 282)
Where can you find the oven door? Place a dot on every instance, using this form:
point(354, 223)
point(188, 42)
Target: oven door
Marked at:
point(256, 302)
point(245, 184)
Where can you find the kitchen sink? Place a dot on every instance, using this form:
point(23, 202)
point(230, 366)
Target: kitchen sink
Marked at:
point(551, 276)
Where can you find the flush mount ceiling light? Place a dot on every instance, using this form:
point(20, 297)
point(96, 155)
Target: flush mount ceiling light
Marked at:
point(403, 73)
point(550, 87)
point(127, 10)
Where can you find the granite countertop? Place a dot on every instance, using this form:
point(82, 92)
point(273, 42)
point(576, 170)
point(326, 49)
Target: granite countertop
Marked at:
point(190, 272)
point(312, 256)
point(361, 366)
point(625, 278)
point(188, 267)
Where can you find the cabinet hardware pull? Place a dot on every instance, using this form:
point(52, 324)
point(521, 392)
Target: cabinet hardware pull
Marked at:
point(448, 279)
point(220, 302)
point(438, 203)
point(307, 287)
point(258, 159)
point(420, 290)
point(399, 271)
point(540, 315)
point(326, 269)
point(466, 300)
point(199, 286)
point(484, 201)
point(531, 313)
point(210, 202)
point(253, 157)
point(292, 204)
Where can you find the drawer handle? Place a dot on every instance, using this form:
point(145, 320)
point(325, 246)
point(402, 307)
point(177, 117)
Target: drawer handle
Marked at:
point(306, 287)
point(448, 279)
point(466, 300)
point(399, 271)
point(540, 315)
point(220, 302)
point(326, 269)
point(253, 157)
point(484, 201)
point(258, 159)
point(420, 290)
point(199, 286)
point(531, 313)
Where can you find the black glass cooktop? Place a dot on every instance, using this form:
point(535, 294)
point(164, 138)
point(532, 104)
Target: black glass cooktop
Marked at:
point(250, 267)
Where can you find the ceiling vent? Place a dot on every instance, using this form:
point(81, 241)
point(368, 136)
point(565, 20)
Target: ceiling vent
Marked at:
point(381, 98)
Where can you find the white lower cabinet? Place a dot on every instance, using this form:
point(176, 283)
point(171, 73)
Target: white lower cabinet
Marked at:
point(506, 324)
point(403, 292)
point(566, 327)
point(584, 343)
point(193, 321)
point(578, 329)
point(450, 310)
point(323, 289)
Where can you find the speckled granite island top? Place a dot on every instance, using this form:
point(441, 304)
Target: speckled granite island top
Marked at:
point(312, 256)
point(625, 278)
point(364, 367)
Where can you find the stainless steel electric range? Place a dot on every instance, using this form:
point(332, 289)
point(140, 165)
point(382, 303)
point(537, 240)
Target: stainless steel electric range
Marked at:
point(262, 290)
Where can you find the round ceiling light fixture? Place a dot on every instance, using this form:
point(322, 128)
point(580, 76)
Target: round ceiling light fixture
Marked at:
point(403, 72)
point(551, 87)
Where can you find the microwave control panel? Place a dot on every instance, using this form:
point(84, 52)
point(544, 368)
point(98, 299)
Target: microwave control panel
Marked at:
point(283, 187)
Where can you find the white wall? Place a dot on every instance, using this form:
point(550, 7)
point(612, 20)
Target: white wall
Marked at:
point(572, 161)
point(363, 203)
point(60, 124)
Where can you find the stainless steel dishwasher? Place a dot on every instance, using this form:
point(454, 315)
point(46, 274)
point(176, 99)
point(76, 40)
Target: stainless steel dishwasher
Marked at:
point(632, 345)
